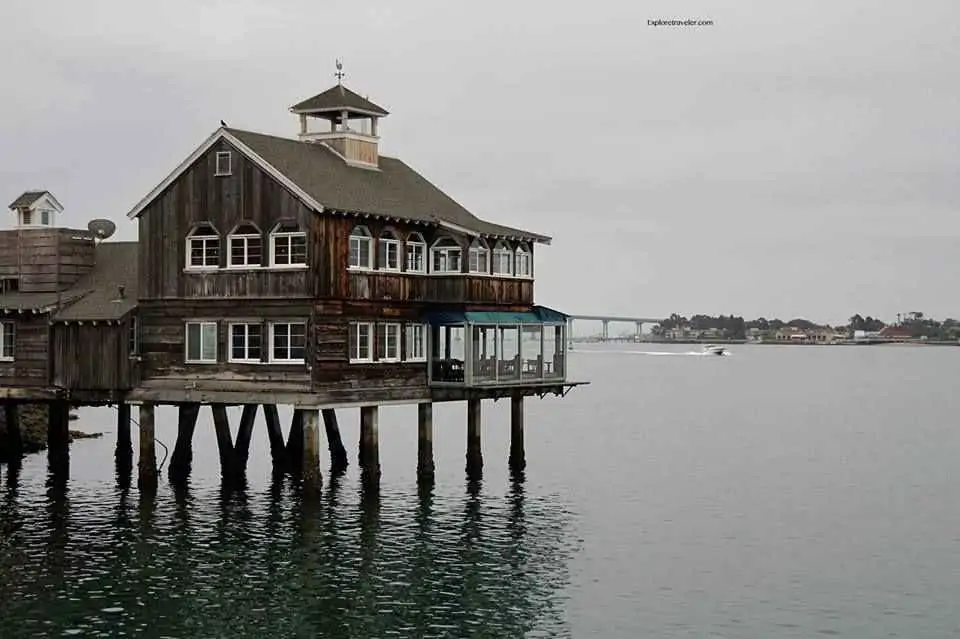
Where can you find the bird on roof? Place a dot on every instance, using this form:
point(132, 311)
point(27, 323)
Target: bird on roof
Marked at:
point(222, 123)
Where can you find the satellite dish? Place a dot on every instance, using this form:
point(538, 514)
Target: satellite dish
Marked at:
point(102, 229)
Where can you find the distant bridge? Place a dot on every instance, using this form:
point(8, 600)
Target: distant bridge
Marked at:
point(607, 319)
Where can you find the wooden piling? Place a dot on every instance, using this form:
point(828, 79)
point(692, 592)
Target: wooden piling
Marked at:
point(369, 441)
point(221, 425)
point(12, 446)
point(278, 451)
point(58, 434)
point(244, 434)
point(338, 454)
point(425, 466)
point(310, 445)
point(474, 450)
point(123, 455)
point(295, 443)
point(147, 467)
point(182, 458)
point(518, 457)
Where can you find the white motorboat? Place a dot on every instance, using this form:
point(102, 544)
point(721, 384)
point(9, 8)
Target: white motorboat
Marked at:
point(714, 349)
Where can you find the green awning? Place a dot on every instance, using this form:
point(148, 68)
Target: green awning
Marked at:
point(537, 315)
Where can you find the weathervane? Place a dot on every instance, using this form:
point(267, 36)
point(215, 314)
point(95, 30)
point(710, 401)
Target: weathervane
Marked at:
point(339, 72)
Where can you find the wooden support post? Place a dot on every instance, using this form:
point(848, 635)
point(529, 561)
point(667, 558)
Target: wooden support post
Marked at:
point(295, 443)
point(221, 425)
point(123, 455)
point(58, 435)
point(474, 450)
point(369, 441)
point(182, 457)
point(242, 447)
point(278, 451)
point(12, 444)
point(338, 454)
point(518, 457)
point(425, 467)
point(147, 467)
point(310, 445)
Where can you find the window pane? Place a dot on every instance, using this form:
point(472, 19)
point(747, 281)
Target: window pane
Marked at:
point(298, 249)
point(208, 342)
point(238, 341)
point(193, 341)
point(363, 341)
point(364, 252)
point(381, 341)
point(354, 252)
point(281, 250)
point(453, 263)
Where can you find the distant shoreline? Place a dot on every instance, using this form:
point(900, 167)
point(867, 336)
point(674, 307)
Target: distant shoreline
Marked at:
point(872, 342)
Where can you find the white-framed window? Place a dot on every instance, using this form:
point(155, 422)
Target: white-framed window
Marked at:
point(224, 163)
point(416, 346)
point(288, 342)
point(201, 342)
point(388, 255)
point(388, 342)
point(523, 262)
point(288, 245)
point(502, 259)
point(133, 338)
point(479, 257)
point(8, 339)
point(245, 246)
point(27, 217)
point(445, 256)
point(360, 338)
point(203, 247)
point(45, 218)
point(246, 343)
point(361, 248)
point(416, 254)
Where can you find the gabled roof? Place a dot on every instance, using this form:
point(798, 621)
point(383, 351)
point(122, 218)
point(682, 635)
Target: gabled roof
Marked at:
point(339, 98)
point(116, 267)
point(29, 198)
point(320, 177)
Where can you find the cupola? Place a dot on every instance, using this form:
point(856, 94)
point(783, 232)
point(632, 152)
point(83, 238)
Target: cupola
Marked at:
point(350, 126)
point(36, 209)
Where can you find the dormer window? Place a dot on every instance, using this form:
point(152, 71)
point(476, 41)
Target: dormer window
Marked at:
point(224, 163)
point(523, 262)
point(388, 256)
point(45, 217)
point(245, 246)
point(288, 245)
point(445, 256)
point(502, 259)
point(27, 218)
point(416, 254)
point(361, 248)
point(479, 257)
point(203, 247)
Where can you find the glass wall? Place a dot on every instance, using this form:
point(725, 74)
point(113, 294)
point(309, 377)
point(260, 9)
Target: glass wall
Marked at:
point(531, 351)
point(554, 351)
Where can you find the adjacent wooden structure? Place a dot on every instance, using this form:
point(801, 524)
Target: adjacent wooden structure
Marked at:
point(311, 272)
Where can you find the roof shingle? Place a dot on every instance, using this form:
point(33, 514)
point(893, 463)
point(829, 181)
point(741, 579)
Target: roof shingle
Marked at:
point(116, 267)
point(339, 98)
point(28, 198)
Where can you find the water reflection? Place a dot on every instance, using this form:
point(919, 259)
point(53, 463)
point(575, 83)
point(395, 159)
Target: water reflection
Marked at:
point(200, 562)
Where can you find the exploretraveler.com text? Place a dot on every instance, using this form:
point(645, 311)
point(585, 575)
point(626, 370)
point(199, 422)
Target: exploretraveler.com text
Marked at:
point(680, 23)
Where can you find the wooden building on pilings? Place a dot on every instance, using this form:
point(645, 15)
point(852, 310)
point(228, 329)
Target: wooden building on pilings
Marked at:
point(317, 273)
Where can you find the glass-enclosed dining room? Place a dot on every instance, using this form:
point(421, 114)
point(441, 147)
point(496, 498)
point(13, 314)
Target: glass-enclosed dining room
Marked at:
point(481, 348)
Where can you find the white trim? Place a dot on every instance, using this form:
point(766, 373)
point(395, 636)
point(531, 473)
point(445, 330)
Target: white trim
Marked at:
point(289, 323)
point(216, 136)
point(388, 242)
point(245, 237)
point(3, 334)
point(246, 344)
point(353, 347)
point(397, 329)
point(371, 247)
point(288, 235)
point(423, 342)
point(216, 164)
point(186, 342)
point(323, 136)
point(424, 255)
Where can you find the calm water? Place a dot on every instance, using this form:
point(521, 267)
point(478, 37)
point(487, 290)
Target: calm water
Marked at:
point(778, 492)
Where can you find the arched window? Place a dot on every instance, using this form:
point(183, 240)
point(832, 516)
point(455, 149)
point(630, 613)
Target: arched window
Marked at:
point(502, 259)
point(523, 262)
point(416, 254)
point(203, 247)
point(288, 245)
point(388, 256)
point(445, 256)
point(479, 257)
point(361, 248)
point(245, 245)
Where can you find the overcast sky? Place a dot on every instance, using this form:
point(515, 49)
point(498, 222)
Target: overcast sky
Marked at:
point(793, 159)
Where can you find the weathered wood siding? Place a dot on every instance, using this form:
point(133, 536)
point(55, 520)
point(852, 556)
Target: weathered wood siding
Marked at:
point(163, 338)
point(47, 259)
point(31, 364)
point(247, 195)
point(93, 356)
point(330, 254)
